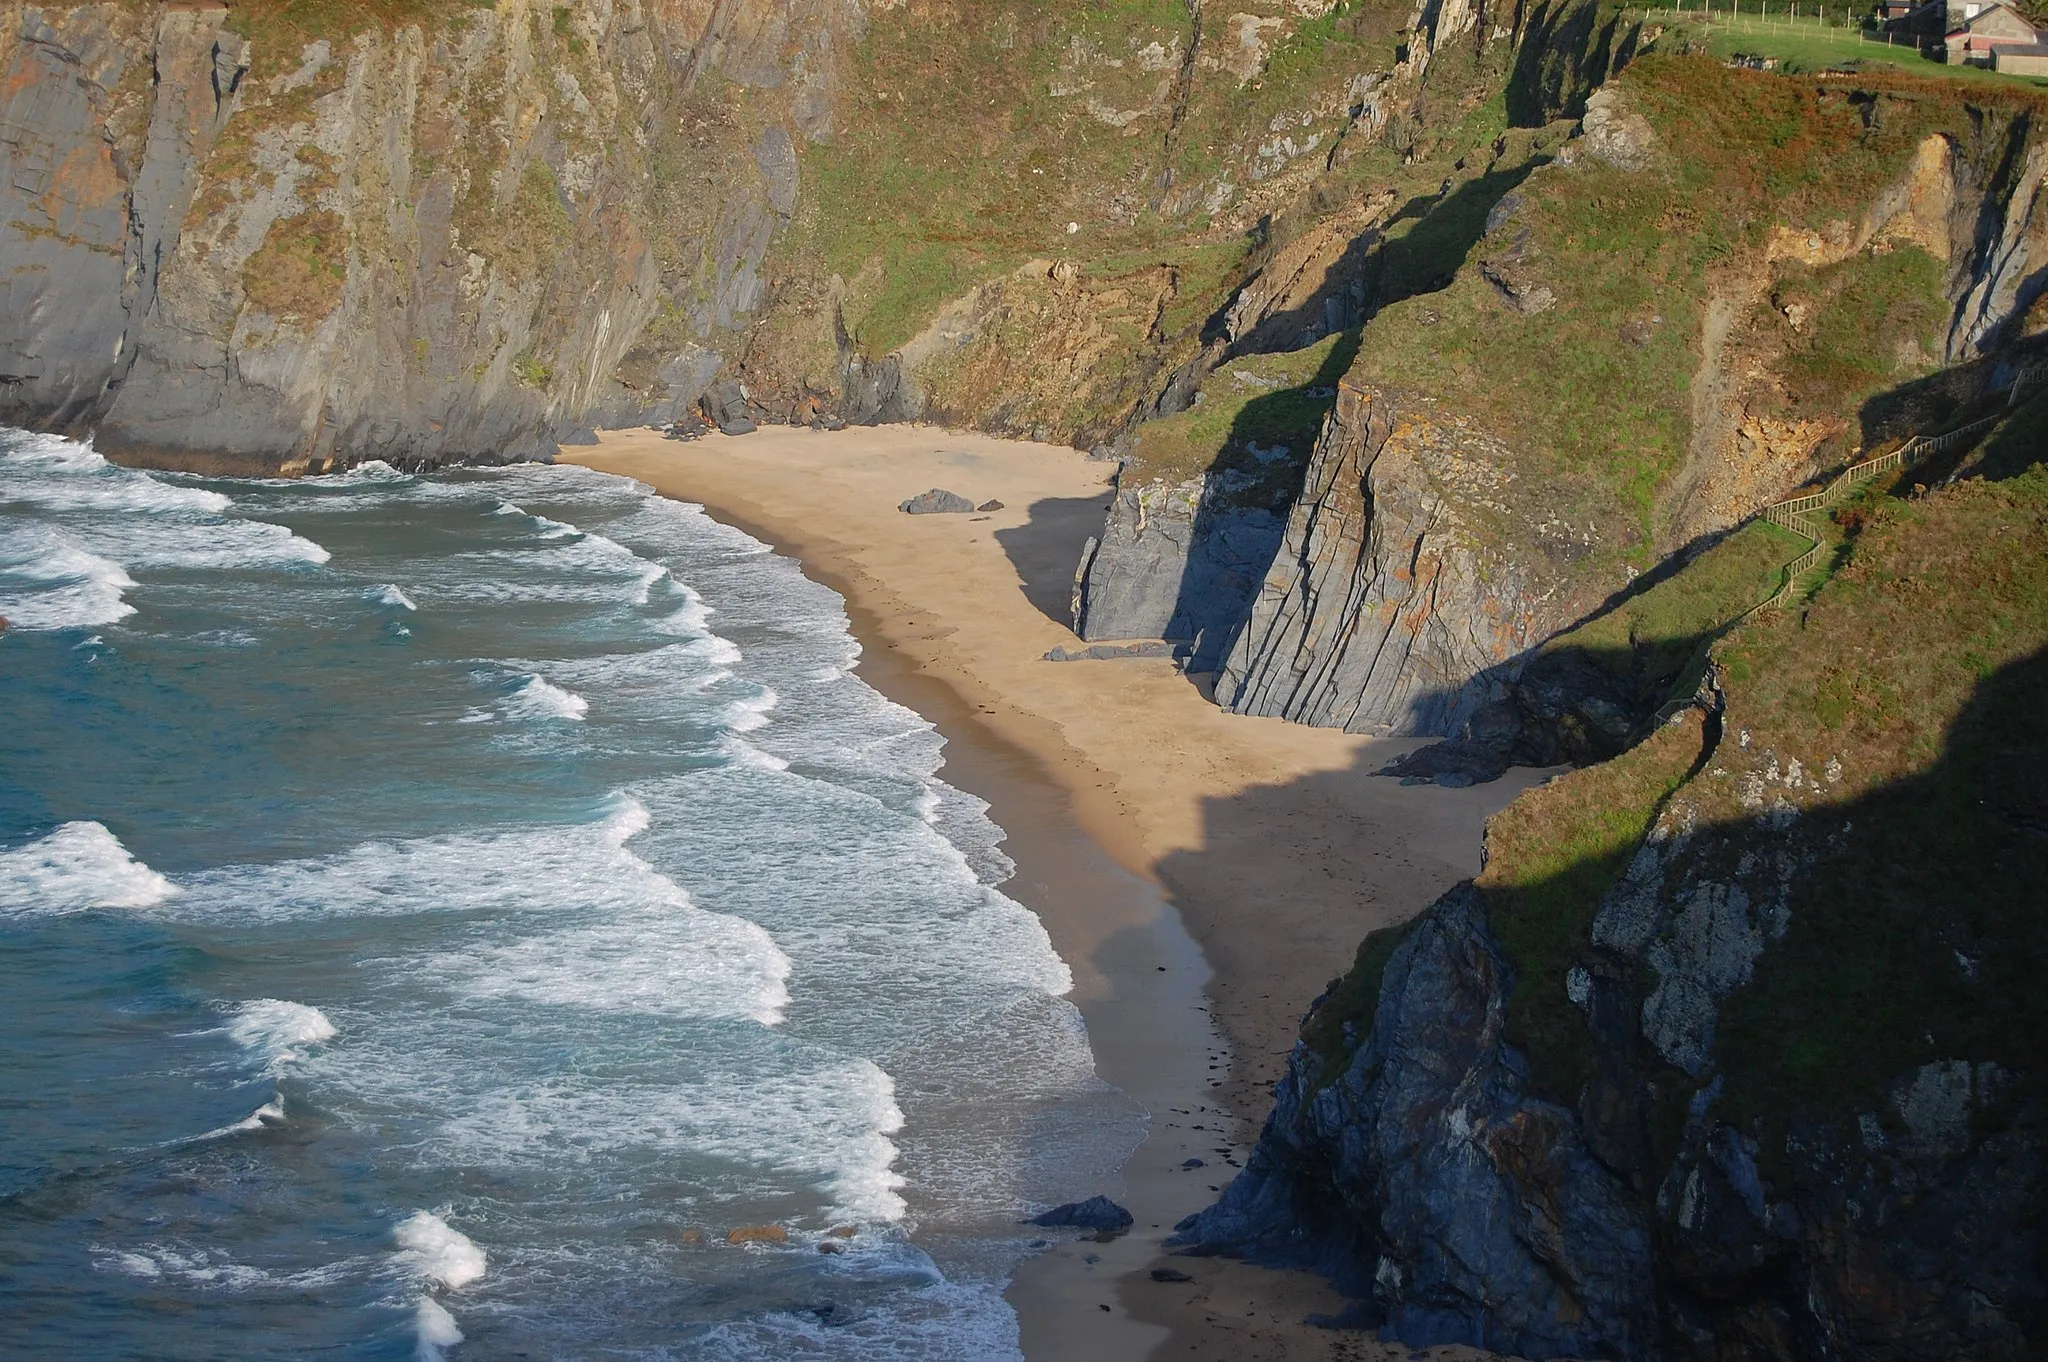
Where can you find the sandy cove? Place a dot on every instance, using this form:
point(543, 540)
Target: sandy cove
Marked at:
point(1115, 780)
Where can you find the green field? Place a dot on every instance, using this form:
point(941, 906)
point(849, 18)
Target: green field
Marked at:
point(1803, 43)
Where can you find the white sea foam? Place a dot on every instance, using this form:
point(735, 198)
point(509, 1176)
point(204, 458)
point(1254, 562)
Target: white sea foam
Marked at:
point(435, 1251)
point(538, 698)
point(49, 581)
point(79, 866)
point(190, 1265)
point(746, 754)
point(830, 1121)
point(389, 595)
point(939, 1321)
point(653, 964)
point(587, 923)
point(627, 819)
point(277, 1031)
point(749, 712)
point(58, 474)
point(716, 651)
point(435, 1329)
point(369, 472)
point(97, 524)
point(554, 529)
point(271, 1113)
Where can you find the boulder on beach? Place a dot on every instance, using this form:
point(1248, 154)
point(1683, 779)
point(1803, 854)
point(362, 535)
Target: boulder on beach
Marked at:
point(990, 505)
point(938, 501)
point(1097, 1213)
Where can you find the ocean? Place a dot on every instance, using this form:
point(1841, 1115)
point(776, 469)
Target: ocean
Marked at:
point(437, 911)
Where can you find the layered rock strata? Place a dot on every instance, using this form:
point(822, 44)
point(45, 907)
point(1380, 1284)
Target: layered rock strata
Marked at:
point(1390, 607)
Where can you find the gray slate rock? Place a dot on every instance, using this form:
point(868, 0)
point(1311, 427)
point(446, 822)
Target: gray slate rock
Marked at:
point(1179, 561)
point(1424, 1177)
point(938, 501)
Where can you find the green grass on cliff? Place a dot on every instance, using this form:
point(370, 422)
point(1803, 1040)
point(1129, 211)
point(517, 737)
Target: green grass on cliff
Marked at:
point(1657, 636)
point(1910, 694)
point(1263, 400)
point(1549, 857)
point(287, 25)
point(1805, 47)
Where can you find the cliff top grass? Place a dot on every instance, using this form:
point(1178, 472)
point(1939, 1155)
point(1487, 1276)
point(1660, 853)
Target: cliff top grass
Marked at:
point(294, 23)
point(1268, 401)
point(1916, 932)
point(1658, 633)
point(969, 136)
point(1550, 856)
point(1805, 46)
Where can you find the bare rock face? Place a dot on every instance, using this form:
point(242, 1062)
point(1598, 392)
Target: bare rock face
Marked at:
point(1175, 561)
point(1422, 1177)
point(1390, 607)
point(226, 256)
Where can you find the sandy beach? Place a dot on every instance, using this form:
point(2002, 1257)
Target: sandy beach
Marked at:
point(1204, 874)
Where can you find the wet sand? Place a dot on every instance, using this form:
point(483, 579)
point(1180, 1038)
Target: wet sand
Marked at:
point(1203, 874)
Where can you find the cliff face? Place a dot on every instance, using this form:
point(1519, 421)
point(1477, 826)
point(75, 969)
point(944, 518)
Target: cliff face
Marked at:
point(414, 243)
point(1390, 602)
point(1732, 1051)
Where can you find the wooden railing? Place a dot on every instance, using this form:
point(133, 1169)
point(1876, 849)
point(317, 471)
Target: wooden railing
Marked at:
point(1803, 514)
point(1800, 514)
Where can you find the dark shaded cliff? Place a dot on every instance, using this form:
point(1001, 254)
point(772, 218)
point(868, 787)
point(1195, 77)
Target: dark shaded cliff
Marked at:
point(1734, 1049)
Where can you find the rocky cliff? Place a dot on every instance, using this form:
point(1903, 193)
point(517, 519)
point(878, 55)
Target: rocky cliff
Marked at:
point(1732, 1051)
point(1629, 348)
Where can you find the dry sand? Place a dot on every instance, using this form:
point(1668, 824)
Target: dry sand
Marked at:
point(1115, 780)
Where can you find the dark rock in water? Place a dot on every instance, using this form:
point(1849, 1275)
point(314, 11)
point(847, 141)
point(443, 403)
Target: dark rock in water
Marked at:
point(1191, 1163)
point(1097, 1213)
point(1170, 1274)
point(990, 505)
point(938, 501)
point(831, 1246)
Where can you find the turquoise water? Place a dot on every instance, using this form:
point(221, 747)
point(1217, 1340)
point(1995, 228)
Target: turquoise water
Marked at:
point(434, 911)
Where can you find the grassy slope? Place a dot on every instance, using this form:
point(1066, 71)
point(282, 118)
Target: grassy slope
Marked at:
point(972, 135)
point(1597, 389)
point(1657, 636)
point(1921, 666)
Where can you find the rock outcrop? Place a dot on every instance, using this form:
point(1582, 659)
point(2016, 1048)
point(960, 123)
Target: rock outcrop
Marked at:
point(1391, 607)
point(1419, 1173)
point(421, 244)
point(1175, 561)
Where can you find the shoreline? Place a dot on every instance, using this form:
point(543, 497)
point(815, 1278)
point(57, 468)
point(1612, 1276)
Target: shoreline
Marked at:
point(1201, 874)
